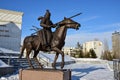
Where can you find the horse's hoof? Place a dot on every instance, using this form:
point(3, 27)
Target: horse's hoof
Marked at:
point(41, 67)
point(62, 65)
point(31, 67)
point(54, 68)
point(53, 65)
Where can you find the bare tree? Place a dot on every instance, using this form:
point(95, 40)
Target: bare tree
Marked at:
point(106, 47)
point(78, 46)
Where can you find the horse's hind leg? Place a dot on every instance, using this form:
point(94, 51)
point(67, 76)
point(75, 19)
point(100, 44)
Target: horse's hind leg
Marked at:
point(35, 58)
point(22, 51)
point(27, 56)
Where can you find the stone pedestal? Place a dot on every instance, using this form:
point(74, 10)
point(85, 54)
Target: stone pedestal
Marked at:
point(44, 74)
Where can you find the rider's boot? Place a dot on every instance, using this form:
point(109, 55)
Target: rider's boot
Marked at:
point(48, 47)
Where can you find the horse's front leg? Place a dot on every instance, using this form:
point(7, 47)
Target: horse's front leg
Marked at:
point(63, 62)
point(62, 53)
point(54, 63)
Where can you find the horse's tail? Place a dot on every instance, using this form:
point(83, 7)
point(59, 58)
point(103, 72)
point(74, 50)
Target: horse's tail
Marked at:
point(22, 51)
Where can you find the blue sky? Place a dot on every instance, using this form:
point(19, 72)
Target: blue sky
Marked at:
point(100, 18)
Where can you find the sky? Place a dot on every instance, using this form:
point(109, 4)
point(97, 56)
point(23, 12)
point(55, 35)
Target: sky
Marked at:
point(99, 18)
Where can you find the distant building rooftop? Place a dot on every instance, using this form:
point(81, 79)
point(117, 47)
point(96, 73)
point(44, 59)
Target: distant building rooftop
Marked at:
point(11, 12)
point(116, 32)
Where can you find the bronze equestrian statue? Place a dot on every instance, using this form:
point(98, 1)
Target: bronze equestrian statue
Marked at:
point(57, 41)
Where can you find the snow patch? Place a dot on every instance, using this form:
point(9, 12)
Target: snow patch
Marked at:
point(50, 57)
point(4, 50)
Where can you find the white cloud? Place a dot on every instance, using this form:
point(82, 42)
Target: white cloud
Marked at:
point(110, 27)
point(101, 28)
point(90, 18)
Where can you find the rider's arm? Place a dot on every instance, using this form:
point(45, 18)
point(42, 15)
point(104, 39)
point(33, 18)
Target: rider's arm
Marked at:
point(42, 23)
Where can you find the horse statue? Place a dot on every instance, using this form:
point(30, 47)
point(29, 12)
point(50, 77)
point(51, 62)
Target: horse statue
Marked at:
point(58, 40)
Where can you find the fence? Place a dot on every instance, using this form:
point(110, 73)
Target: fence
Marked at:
point(116, 68)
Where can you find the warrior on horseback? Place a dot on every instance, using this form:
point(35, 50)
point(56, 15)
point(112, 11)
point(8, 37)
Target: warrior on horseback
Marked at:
point(46, 32)
point(45, 37)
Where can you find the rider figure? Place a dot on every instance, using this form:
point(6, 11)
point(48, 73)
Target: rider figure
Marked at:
point(47, 24)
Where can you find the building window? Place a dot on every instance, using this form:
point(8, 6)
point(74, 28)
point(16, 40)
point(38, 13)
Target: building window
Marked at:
point(2, 25)
point(4, 30)
point(4, 35)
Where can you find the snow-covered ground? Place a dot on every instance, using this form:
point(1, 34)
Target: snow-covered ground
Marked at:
point(83, 71)
point(50, 57)
point(80, 71)
point(10, 77)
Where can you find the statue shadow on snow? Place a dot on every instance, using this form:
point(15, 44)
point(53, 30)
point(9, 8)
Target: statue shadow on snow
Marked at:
point(79, 73)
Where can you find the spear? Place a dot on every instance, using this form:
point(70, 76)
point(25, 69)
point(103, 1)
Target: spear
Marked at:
point(75, 15)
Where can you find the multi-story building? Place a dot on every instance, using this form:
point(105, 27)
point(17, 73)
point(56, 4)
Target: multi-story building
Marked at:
point(68, 50)
point(116, 44)
point(10, 29)
point(96, 45)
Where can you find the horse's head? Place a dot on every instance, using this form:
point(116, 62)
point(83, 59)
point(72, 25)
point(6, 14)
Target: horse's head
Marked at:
point(69, 23)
